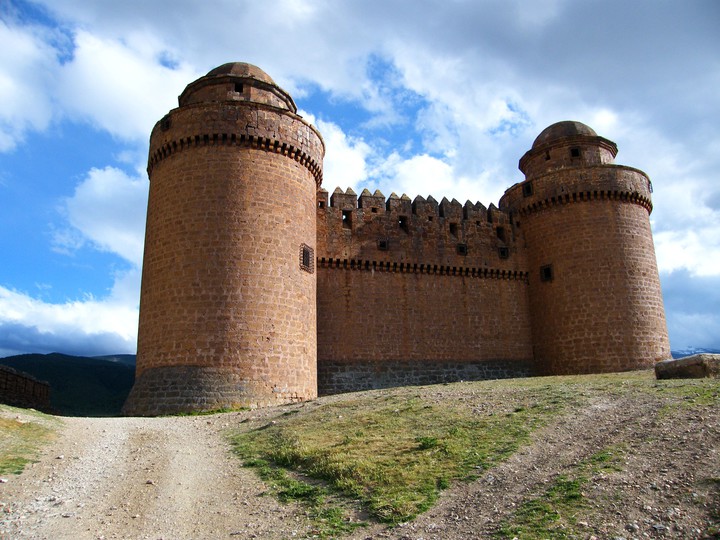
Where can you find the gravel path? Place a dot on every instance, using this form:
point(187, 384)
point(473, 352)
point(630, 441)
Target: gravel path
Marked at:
point(141, 478)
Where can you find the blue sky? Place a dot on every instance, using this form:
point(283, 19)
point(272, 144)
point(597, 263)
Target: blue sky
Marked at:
point(425, 97)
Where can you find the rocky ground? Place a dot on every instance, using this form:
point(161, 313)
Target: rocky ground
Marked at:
point(175, 478)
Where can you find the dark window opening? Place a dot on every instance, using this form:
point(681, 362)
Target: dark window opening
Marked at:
point(546, 273)
point(321, 204)
point(462, 249)
point(500, 231)
point(454, 229)
point(547, 155)
point(373, 210)
point(574, 152)
point(503, 252)
point(239, 88)
point(307, 258)
point(347, 219)
point(383, 244)
point(403, 222)
point(430, 218)
point(527, 189)
point(165, 123)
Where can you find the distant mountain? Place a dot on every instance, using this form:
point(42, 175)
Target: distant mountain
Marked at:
point(682, 353)
point(79, 385)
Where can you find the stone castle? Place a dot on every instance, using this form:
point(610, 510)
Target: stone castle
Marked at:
point(259, 287)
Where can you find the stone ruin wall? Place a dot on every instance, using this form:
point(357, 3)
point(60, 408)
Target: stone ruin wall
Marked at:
point(417, 292)
point(22, 390)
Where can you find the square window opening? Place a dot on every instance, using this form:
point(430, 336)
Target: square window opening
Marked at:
point(307, 258)
point(347, 219)
point(503, 252)
point(527, 189)
point(239, 88)
point(575, 152)
point(383, 244)
point(546, 272)
point(403, 222)
point(462, 249)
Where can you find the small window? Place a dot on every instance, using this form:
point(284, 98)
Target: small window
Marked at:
point(373, 210)
point(430, 218)
point(403, 222)
point(527, 189)
point(307, 258)
point(500, 231)
point(347, 219)
point(575, 152)
point(383, 244)
point(503, 252)
point(165, 123)
point(546, 273)
point(462, 249)
point(239, 88)
point(454, 229)
point(321, 204)
point(547, 155)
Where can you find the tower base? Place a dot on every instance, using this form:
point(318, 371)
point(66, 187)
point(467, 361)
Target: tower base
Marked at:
point(184, 389)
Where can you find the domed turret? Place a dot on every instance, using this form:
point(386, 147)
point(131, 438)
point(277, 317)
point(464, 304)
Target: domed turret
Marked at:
point(227, 307)
point(594, 290)
point(237, 81)
point(566, 144)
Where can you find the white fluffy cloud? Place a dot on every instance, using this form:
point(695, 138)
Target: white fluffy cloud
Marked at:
point(107, 209)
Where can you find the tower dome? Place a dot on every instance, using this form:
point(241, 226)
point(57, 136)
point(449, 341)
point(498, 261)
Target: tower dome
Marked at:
point(237, 81)
point(562, 130)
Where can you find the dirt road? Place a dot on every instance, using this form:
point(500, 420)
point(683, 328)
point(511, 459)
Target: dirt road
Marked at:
point(169, 478)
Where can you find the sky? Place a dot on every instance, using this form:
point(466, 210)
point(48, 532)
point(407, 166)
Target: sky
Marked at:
point(421, 97)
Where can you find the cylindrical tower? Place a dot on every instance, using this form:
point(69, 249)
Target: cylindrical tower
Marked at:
point(227, 307)
point(595, 299)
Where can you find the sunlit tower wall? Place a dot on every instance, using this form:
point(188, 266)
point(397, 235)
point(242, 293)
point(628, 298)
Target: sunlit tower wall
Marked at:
point(228, 299)
point(594, 291)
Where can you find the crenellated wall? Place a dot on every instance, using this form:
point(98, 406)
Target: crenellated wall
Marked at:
point(417, 292)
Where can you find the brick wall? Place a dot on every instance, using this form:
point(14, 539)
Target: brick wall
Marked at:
point(22, 390)
point(417, 310)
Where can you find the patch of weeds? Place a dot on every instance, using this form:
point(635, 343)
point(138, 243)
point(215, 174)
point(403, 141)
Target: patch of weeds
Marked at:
point(395, 455)
point(20, 441)
point(553, 515)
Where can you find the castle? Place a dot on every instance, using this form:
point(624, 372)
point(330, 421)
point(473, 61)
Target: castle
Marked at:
point(259, 287)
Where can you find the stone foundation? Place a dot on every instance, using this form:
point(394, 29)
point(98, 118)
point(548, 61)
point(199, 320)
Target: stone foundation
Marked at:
point(337, 377)
point(182, 389)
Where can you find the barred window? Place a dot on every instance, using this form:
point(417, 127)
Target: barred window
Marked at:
point(307, 258)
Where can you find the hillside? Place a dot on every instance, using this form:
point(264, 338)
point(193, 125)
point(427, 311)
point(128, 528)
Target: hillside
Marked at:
point(80, 386)
point(606, 456)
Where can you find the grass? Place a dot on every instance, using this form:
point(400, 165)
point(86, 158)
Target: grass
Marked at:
point(386, 456)
point(20, 439)
point(553, 514)
point(392, 454)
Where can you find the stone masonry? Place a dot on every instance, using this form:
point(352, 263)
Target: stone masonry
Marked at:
point(260, 287)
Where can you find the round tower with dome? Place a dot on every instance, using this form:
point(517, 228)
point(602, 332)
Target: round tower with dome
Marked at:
point(227, 309)
point(594, 291)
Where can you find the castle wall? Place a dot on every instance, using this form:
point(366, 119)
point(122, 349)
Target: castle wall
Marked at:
point(22, 390)
point(416, 310)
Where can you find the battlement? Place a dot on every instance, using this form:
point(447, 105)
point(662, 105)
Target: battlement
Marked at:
point(420, 231)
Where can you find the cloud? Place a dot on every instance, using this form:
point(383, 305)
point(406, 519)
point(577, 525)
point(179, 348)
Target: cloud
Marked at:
point(27, 74)
point(692, 308)
point(108, 210)
point(85, 326)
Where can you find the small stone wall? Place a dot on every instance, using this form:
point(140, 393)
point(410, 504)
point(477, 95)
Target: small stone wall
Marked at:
point(339, 377)
point(23, 390)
